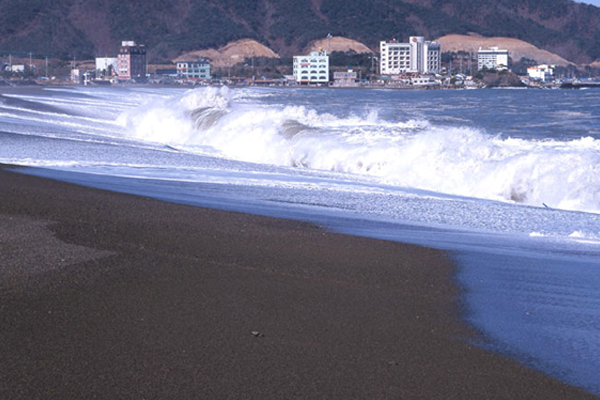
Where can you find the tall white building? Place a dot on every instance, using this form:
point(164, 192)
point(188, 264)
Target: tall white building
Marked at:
point(131, 60)
point(313, 68)
point(425, 55)
point(492, 58)
point(418, 55)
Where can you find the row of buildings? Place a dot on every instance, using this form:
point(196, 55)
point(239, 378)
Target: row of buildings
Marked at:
point(131, 64)
point(418, 57)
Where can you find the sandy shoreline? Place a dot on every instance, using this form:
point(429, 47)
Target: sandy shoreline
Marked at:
point(112, 296)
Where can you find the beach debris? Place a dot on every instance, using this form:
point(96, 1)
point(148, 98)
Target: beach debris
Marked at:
point(257, 334)
point(393, 363)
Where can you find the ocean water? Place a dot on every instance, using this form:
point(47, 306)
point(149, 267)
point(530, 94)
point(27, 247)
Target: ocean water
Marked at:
point(508, 181)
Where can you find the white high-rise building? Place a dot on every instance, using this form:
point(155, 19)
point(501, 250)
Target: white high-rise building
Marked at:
point(425, 55)
point(418, 55)
point(313, 68)
point(492, 58)
point(394, 57)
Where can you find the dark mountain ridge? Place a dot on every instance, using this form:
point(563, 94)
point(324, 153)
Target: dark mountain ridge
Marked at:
point(86, 28)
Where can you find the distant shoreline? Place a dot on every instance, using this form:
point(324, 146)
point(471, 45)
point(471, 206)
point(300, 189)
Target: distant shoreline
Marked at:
point(159, 85)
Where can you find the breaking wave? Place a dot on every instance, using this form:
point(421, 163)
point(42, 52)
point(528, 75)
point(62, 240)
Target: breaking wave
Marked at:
point(414, 153)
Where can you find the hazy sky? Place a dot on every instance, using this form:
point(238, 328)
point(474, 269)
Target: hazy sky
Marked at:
point(593, 2)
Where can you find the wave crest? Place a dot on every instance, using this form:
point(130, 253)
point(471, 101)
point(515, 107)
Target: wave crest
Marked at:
point(455, 160)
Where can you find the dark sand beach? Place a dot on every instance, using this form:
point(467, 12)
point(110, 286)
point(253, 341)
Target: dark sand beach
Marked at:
point(111, 296)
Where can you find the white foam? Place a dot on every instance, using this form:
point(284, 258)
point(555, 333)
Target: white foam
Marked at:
point(584, 236)
point(537, 234)
point(455, 160)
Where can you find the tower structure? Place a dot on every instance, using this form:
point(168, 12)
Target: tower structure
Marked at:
point(418, 55)
point(132, 60)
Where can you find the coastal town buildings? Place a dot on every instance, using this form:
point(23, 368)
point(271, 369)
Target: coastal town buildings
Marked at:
point(345, 79)
point(313, 68)
point(541, 73)
point(106, 66)
point(81, 76)
point(199, 69)
point(492, 58)
point(417, 56)
point(425, 80)
point(17, 68)
point(131, 60)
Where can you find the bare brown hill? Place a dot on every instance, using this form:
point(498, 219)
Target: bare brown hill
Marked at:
point(517, 48)
point(338, 43)
point(230, 54)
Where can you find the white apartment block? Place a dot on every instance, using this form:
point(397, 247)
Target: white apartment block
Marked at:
point(313, 68)
point(193, 69)
point(492, 58)
point(542, 72)
point(418, 55)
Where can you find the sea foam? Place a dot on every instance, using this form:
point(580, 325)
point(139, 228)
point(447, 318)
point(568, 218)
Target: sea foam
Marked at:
point(462, 161)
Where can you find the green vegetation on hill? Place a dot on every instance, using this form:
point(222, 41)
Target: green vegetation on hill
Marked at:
point(208, 24)
point(40, 26)
point(296, 23)
point(169, 27)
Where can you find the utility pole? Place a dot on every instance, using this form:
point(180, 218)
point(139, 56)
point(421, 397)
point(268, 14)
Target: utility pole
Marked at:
point(46, 67)
point(30, 62)
point(470, 71)
point(373, 70)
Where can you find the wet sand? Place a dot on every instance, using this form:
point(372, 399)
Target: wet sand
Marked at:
point(112, 296)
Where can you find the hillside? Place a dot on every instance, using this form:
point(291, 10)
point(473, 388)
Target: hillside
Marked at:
point(337, 43)
point(517, 48)
point(170, 28)
point(231, 54)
